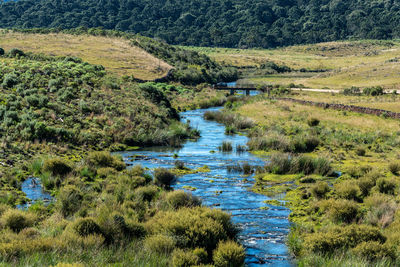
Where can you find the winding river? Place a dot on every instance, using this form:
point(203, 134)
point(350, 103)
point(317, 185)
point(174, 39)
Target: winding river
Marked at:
point(263, 227)
point(263, 230)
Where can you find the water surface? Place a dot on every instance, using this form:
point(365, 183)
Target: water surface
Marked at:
point(263, 231)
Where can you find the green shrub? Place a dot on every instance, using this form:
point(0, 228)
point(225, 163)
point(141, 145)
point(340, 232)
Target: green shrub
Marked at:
point(182, 258)
point(365, 184)
point(179, 198)
point(386, 186)
point(16, 52)
point(57, 166)
point(69, 200)
point(360, 151)
point(373, 91)
point(229, 253)
point(164, 177)
point(179, 164)
point(136, 170)
point(17, 220)
point(312, 122)
point(341, 237)
point(10, 80)
point(193, 227)
point(342, 210)
point(30, 233)
point(374, 250)
point(351, 91)
point(348, 189)
point(86, 226)
point(159, 243)
point(146, 193)
point(104, 159)
point(320, 189)
point(202, 254)
point(104, 172)
point(394, 167)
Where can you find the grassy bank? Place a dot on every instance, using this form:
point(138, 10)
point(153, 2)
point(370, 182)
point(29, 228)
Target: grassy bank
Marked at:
point(338, 173)
point(105, 214)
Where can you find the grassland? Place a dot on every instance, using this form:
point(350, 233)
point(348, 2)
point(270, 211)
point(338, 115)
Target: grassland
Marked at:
point(350, 220)
point(358, 63)
point(388, 102)
point(117, 55)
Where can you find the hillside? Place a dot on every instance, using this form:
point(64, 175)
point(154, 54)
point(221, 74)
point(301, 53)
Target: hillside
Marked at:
point(238, 23)
point(115, 54)
point(122, 54)
point(333, 64)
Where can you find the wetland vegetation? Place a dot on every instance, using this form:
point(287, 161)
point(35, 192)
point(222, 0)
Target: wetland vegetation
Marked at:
point(63, 110)
point(336, 170)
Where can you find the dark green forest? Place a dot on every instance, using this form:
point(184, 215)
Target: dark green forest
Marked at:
point(235, 23)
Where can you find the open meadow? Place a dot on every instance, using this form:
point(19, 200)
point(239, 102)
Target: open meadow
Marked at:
point(117, 55)
point(324, 65)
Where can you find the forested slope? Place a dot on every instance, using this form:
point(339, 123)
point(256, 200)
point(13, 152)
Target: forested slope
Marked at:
point(235, 23)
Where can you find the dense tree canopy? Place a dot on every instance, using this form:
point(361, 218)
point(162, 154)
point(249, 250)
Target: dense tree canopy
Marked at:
point(230, 23)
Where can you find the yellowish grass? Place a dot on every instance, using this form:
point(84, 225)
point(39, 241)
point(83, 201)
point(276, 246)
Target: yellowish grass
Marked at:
point(115, 54)
point(361, 63)
point(386, 102)
point(266, 113)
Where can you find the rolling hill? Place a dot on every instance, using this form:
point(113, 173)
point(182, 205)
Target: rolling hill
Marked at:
point(236, 23)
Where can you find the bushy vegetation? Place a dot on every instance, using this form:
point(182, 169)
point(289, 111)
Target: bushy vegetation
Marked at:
point(241, 23)
point(344, 210)
point(190, 67)
point(67, 101)
point(114, 213)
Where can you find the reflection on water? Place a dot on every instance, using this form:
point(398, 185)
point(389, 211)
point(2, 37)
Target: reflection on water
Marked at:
point(263, 231)
point(33, 189)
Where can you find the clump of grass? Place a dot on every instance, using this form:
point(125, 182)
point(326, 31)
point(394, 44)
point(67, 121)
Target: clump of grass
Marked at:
point(226, 146)
point(386, 185)
point(230, 129)
point(178, 199)
point(164, 177)
point(104, 159)
point(245, 168)
point(341, 210)
point(312, 122)
point(159, 243)
point(179, 164)
point(320, 189)
point(229, 253)
point(281, 163)
point(57, 166)
point(348, 189)
point(231, 119)
point(360, 151)
point(181, 258)
point(16, 220)
point(394, 167)
point(240, 148)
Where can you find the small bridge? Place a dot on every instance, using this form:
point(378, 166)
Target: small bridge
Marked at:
point(235, 88)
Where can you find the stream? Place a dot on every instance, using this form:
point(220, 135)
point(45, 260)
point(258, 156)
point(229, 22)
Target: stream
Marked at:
point(263, 227)
point(263, 230)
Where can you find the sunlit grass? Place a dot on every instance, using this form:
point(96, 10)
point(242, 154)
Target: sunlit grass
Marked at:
point(115, 54)
point(360, 63)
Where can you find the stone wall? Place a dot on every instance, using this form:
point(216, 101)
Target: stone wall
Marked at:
point(364, 110)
